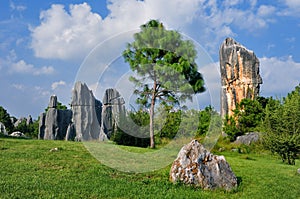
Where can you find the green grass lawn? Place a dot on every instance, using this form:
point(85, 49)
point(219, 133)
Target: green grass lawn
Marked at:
point(29, 170)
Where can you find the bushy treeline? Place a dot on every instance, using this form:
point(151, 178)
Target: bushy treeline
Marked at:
point(277, 119)
point(29, 130)
point(133, 130)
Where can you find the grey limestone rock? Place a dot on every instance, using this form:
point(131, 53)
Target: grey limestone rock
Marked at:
point(53, 102)
point(2, 129)
point(42, 126)
point(19, 121)
point(86, 113)
point(17, 134)
point(29, 120)
point(54, 123)
point(196, 166)
point(113, 110)
point(248, 138)
point(240, 76)
point(71, 133)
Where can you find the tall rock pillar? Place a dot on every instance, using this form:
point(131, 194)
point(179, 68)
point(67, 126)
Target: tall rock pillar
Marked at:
point(86, 114)
point(240, 76)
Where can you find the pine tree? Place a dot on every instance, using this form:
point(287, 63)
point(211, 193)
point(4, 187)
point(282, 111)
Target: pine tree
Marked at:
point(165, 68)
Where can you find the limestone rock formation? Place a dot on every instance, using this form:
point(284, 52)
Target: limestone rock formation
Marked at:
point(86, 114)
point(86, 117)
point(240, 76)
point(42, 126)
point(29, 120)
point(195, 165)
point(248, 138)
point(112, 111)
point(2, 129)
point(71, 133)
point(54, 123)
point(19, 121)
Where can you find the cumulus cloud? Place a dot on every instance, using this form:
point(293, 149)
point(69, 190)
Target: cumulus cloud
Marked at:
point(70, 33)
point(280, 75)
point(25, 68)
point(55, 85)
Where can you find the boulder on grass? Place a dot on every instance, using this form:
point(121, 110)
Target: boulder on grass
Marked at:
point(196, 166)
point(248, 138)
point(18, 134)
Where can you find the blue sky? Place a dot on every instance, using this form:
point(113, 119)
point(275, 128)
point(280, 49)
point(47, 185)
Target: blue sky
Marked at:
point(45, 46)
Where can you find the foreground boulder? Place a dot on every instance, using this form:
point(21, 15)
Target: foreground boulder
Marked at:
point(195, 165)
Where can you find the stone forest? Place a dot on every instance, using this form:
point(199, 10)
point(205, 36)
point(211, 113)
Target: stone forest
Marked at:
point(90, 119)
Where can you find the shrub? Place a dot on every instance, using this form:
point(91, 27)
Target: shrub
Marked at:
point(282, 127)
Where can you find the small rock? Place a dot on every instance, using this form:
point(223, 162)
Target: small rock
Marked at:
point(248, 138)
point(17, 134)
point(298, 171)
point(54, 149)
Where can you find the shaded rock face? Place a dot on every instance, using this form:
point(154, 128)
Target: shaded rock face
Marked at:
point(112, 112)
point(195, 165)
point(240, 76)
point(54, 123)
point(2, 129)
point(86, 114)
point(71, 133)
point(248, 138)
point(42, 126)
point(29, 120)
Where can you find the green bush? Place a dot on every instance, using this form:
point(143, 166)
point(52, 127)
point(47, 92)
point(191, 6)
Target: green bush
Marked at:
point(133, 130)
point(247, 116)
point(282, 127)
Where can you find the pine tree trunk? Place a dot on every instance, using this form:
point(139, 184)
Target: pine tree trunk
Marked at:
point(152, 140)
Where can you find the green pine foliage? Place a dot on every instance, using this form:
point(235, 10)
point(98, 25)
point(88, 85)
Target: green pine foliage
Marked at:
point(165, 68)
point(247, 116)
point(133, 130)
point(5, 119)
point(282, 127)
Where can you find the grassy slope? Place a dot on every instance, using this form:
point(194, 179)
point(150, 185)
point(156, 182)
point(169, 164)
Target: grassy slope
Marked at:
point(29, 170)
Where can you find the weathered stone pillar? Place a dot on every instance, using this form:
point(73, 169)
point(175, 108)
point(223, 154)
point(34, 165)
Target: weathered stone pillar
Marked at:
point(240, 76)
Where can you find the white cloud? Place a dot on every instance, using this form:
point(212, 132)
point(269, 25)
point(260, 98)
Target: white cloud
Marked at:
point(265, 10)
point(13, 6)
point(293, 8)
point(25, 68)
point(20, 87)
point(55, 85)
point(279, 75)
point(71, 33)
point(66, 35)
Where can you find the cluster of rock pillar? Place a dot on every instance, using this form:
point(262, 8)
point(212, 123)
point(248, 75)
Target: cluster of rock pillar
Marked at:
point(88, 119)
